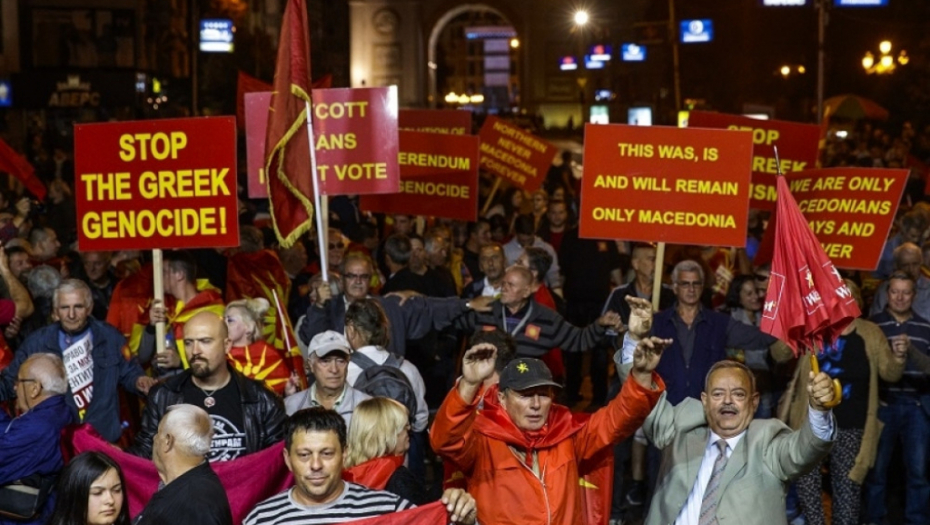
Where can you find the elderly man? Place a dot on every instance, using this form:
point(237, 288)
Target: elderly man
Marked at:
point(191, 492)
point(315, 449)
point(907, 258)
point(247, 417)
point(30, 443)
point(92, 353)
point(720, 466)
point(527, 448)
point(328, 362)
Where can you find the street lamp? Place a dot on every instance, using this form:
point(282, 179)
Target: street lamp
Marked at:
point(886, 61)
point(581, 17)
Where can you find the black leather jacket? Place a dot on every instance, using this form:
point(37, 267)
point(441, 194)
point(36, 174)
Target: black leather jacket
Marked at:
point(263, 412)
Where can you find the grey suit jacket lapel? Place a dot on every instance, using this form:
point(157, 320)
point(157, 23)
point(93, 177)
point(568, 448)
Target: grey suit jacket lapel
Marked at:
point(736, 463)
point(695, 445)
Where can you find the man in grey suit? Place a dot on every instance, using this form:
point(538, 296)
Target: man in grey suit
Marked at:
point(721, 467)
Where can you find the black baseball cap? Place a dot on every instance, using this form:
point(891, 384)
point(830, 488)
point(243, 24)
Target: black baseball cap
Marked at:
point(525, 372)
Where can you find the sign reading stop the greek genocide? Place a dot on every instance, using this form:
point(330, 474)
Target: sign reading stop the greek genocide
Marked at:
point(687, 186)
point(156, 184)
point(355, 133)
point(439, 121)
point(439, 177)
point(850, 210)
point(513, 153)
point(797, 149)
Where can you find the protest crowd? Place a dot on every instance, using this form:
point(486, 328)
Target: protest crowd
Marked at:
point(488, 365)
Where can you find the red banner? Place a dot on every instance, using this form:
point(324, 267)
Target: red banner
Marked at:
point(256, 127)
point(797, 149)
point(850, 210)
point(676, 185)
point(515, 154)
point(355, 132)
point(167, 183)
point(443, 121)
point(439, 178)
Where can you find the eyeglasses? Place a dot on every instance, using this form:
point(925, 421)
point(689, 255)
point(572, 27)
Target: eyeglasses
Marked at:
point(18, 380)
point(691, 284)
point(357, 276)
point(337, 245)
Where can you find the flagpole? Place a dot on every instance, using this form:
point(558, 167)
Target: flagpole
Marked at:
point(314, 176)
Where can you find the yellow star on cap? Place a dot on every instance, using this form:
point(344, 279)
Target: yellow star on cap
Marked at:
point(522, 367)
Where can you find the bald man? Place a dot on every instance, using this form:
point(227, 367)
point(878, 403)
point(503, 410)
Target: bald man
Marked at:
point(192, 493)
point(246, 416)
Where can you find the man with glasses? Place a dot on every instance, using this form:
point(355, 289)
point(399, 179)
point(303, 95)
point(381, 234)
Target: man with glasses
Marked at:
point(413, 320)
point(328, 363)
point(30, 443)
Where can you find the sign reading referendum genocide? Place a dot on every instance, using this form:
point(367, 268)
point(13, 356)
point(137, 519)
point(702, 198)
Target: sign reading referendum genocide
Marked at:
point(796, 143)
point(675, 185)
point(442, 121)
point(439, 177)
point(355, 133)
point(850, 210)
point(257, 106)
point(518, 156)
point(156, 184)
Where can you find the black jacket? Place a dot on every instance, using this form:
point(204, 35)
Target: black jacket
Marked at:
point(263, 412)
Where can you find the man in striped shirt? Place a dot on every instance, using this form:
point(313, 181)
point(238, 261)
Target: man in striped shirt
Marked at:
point(315, 447)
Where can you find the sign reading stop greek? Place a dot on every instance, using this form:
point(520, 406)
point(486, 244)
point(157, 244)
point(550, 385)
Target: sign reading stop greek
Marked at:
point(156, 184)
point(676, 185)
point(355, 133)
point(797, 149)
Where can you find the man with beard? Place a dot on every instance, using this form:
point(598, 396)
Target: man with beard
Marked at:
point(246, 416)
point(92, 353)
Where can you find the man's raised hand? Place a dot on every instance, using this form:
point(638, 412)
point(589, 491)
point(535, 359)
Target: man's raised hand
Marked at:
point(478, 363)
point(646, 358)
point(640, 317)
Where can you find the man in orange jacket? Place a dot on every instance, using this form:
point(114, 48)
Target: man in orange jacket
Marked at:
point(526, 451)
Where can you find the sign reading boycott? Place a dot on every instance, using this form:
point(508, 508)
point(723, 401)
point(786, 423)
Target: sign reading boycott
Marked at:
point(444, 121)
point(355, 133)
point(156, 184)
point(514, 154)
point(676, 185)
point(850, 210)
point(796, 143)
point(439, 177)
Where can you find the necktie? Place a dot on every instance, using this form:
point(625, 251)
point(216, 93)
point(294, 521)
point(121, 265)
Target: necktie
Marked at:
point(709, 502)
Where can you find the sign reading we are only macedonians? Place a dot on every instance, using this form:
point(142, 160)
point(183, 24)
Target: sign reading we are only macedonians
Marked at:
point(687, 186)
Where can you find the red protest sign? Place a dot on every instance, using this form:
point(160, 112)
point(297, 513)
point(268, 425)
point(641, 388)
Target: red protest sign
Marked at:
point(797, 149)
point(156, 184)
point(850, 210)
point(355, 132)
point(256, 125)
point(676, 185)
point(439, 178)
point(444, 121)
point(515, 154)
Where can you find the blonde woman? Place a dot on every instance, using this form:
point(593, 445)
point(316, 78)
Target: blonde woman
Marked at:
point(251, 354)
point(379, 437)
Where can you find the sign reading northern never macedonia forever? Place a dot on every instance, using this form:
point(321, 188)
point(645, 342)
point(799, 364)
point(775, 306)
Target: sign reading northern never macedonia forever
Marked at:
point(439, 177)
point(513, 153)
point(796, 143)
point(850, 210)
point(676, 185)
point(355, 132)
point(156, 184)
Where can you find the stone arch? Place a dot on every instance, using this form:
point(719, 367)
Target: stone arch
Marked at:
point(447, 12)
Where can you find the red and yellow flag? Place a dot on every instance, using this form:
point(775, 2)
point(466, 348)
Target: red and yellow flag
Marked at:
point(17, 166)
point(290, 189)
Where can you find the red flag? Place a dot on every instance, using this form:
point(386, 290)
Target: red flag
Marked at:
point(807, 304)
point(17, 166)
point(290, 189)
point(432, 514)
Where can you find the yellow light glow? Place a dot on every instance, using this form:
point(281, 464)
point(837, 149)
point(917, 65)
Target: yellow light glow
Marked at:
point(463, 99)
point(903, 59)
point(476, 99)
point(785, 71)
point(802, 69)
point(514, 43)
point(581, 17)
point(868, 61)
point(885, 47)
point(887, 61)
point(452, 98)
